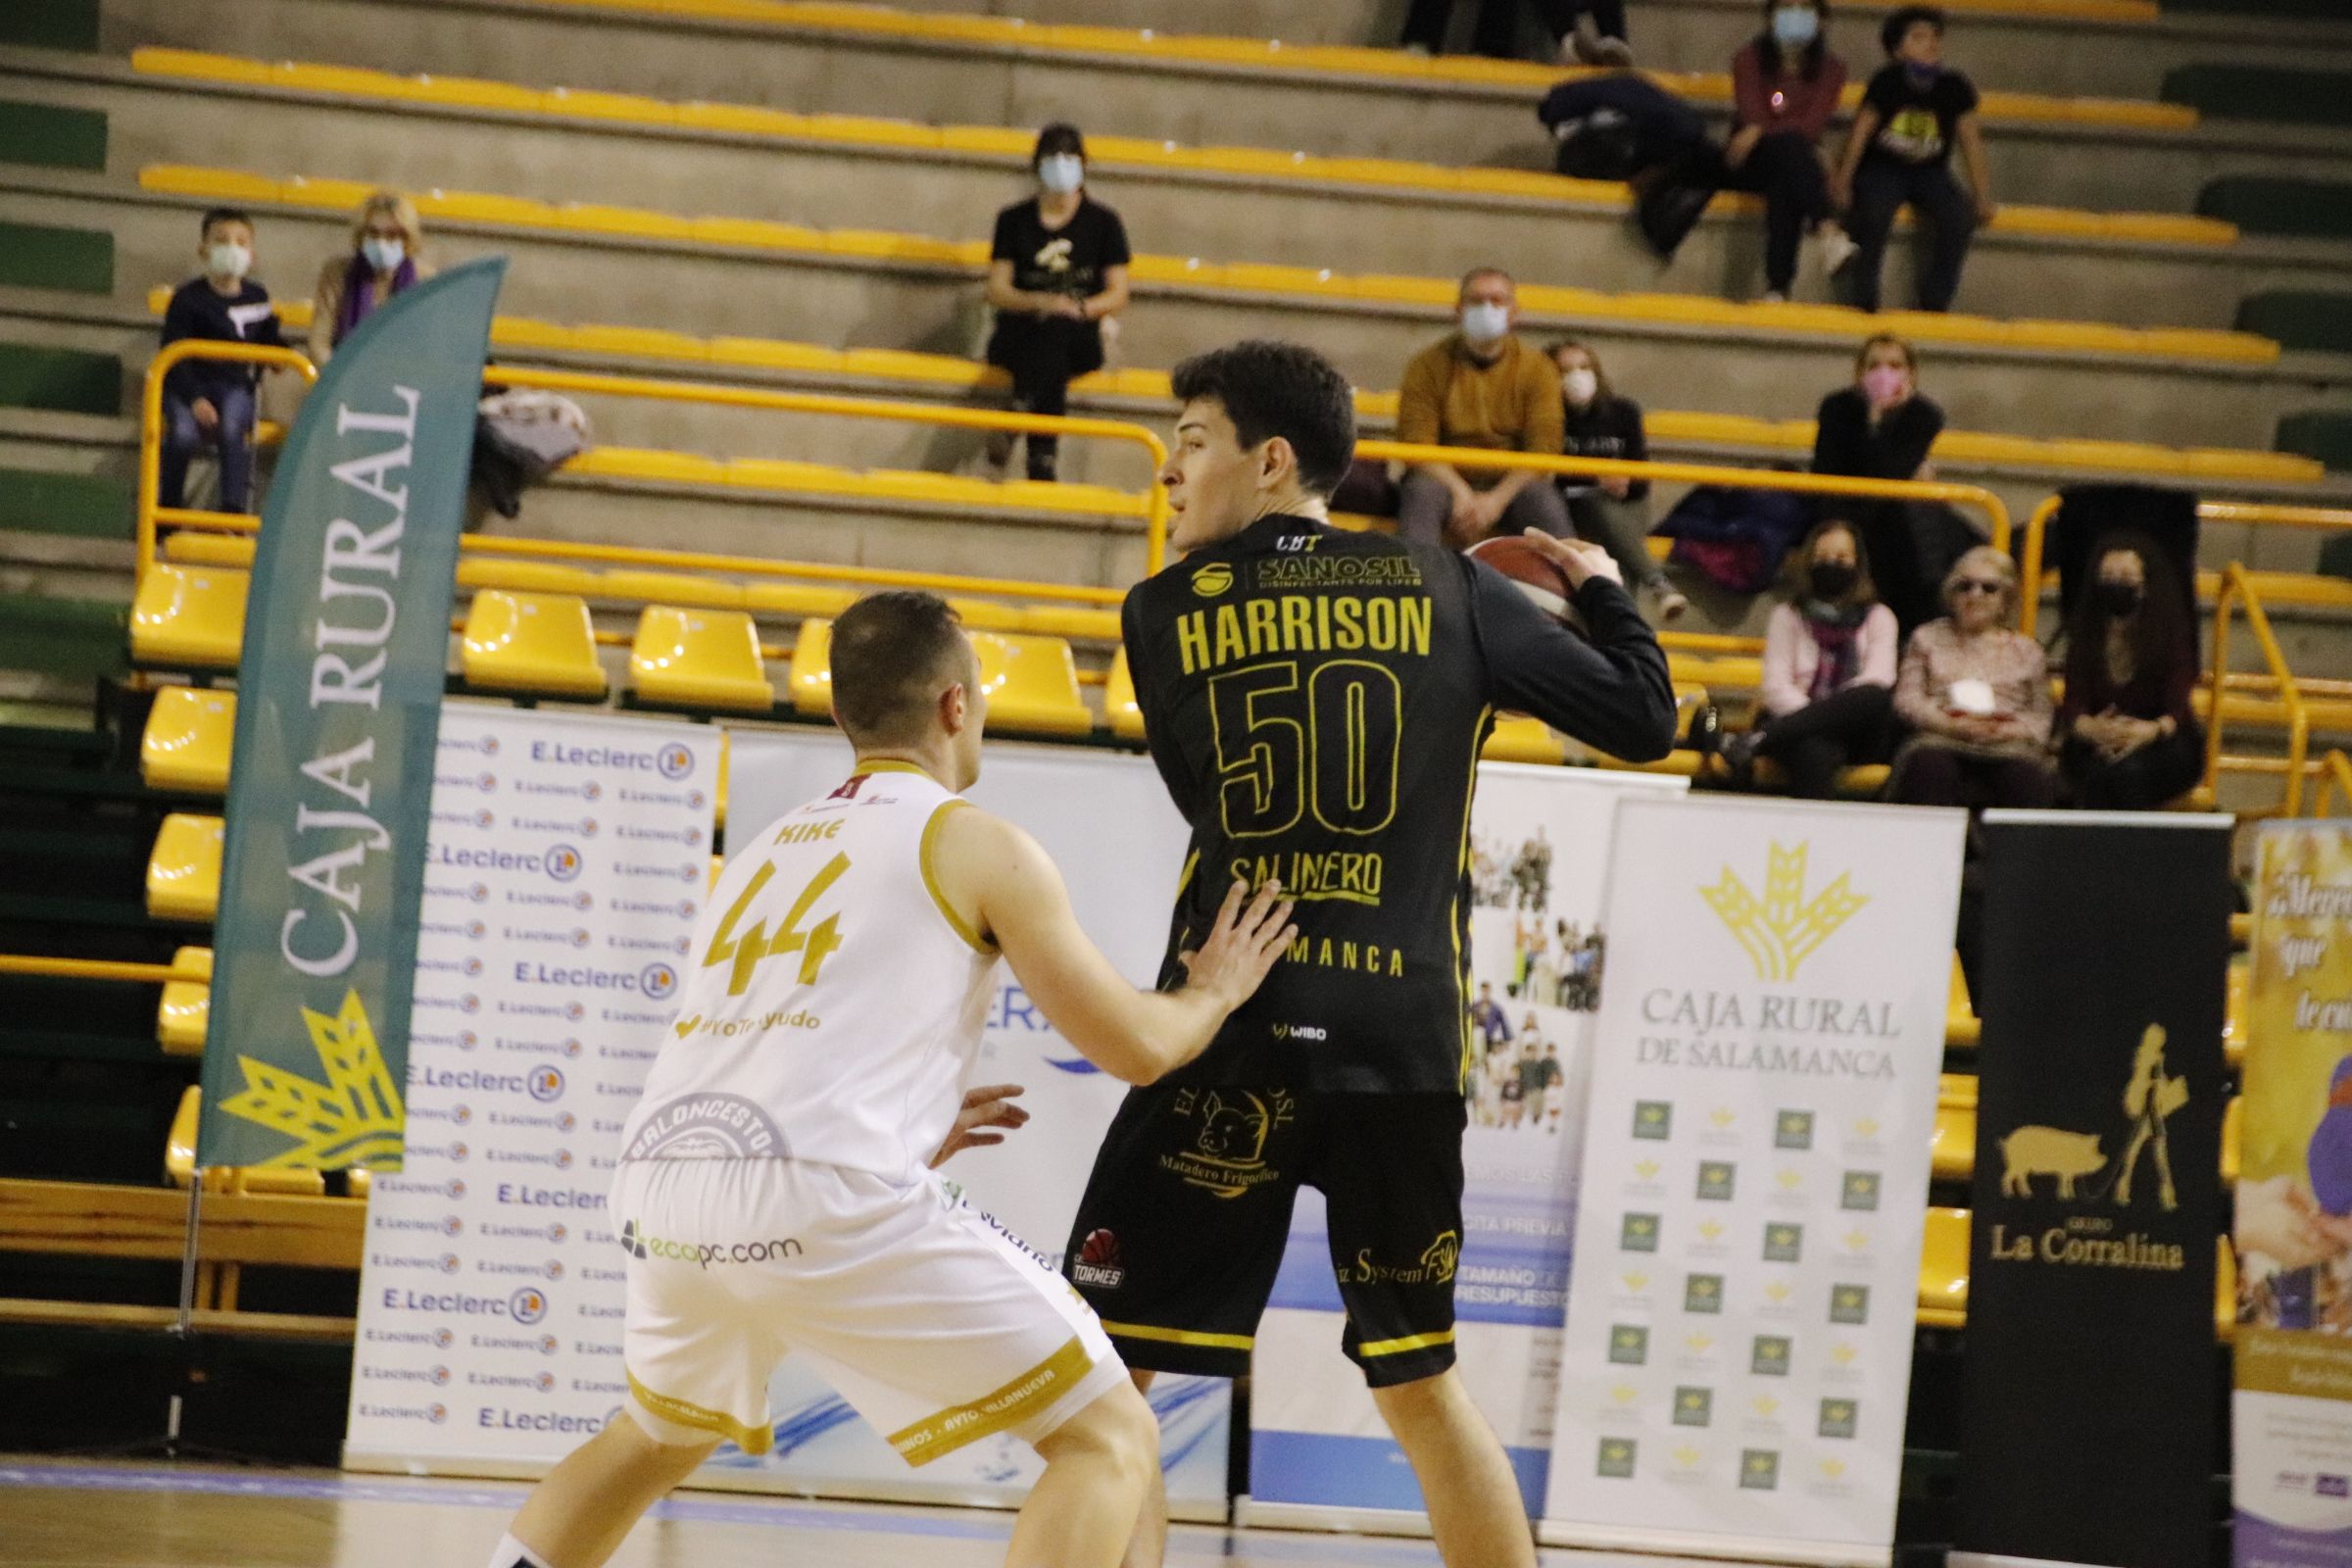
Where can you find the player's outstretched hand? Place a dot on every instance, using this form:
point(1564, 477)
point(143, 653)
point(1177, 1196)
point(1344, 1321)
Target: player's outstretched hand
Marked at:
point(1578, 559)
point(1243, 945)
point(983, 1109)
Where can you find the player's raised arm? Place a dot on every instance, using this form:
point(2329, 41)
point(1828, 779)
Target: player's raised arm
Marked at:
point(1611, 693)
point(993, 869)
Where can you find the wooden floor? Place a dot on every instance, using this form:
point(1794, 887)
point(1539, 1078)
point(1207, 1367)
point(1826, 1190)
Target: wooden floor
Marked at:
point(55, 1514)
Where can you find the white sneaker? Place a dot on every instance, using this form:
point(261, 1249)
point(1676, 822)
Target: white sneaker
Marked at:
point(1838, 247)
point(1665, 603)
point(1773, 296)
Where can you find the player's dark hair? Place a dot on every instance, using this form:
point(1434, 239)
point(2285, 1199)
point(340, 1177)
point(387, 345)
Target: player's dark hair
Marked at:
point(892, 653)
point(1271, 389)
point(1055, 139)
point(223, 215)
point(1902, 20)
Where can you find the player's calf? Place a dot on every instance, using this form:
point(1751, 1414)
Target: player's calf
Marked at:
point(1098, 1466)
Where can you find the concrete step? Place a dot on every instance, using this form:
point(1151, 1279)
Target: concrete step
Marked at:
point(873, 183)
point(852, 67)
point(838, 298)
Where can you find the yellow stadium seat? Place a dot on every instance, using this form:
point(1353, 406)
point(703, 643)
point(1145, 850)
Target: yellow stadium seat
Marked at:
point(180, 1143)
point(770, 354)
point(186, 1010)
point(809, 682)
point(698, 658)
point(1944, 1270)
point(191, 548)
point(189, 617)
point(641, 343)
point(616, 105)
point(484, 206)
point(1032, 684)
point(636, 222)
point(1853, 783)
point(2233, 1134)
point(718, 791)
point(211, 184)
point(1073, 622)
point(202, 67)
point(1119, 700)
point(531, 644)
point(1952, 1148)
point(183, 872)
point(1516, 738)
point(1961, 1028)
point(179, 1164)
point(184, 748)
point(2233, 1006)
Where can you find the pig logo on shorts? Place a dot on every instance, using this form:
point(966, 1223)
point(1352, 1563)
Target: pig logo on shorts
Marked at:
point(1227, 1155)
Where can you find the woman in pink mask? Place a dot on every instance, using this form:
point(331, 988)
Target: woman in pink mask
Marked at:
point(1881, 428)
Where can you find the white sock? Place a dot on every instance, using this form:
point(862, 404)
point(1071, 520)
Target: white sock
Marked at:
point(512, 1553)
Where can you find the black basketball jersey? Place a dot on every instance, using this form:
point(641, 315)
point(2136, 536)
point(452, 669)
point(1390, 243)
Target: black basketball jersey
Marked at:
point(1316, 700)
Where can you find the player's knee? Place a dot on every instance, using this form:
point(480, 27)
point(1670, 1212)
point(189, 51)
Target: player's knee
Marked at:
point(1117, 1431)
point(1422, 1402)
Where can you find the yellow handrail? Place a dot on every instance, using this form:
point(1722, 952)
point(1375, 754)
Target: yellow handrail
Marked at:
point(2235, 585)
point(2335, 778)
point(2258, 512)
point(151, 420)
point(95, 970)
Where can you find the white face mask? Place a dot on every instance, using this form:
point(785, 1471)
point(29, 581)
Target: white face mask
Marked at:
point(1486, 324)
point(1062, 173)
point(385, 255)
point(1580, 384)
point(224, 260)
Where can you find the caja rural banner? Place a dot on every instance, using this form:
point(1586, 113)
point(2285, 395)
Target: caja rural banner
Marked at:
point(1736, 1368)
point(2292, 1410)
point(1105, 820)
point(338, 692)
point(1319, 1452)
point(567, 863)
point(2087, 1394)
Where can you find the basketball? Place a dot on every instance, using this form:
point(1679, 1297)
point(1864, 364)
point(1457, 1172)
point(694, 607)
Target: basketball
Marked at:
point(1544, 583)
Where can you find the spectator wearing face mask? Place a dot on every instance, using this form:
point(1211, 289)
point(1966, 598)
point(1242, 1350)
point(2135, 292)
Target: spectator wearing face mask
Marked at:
point(1785, 88)
point(210, 402)
point(1899, 153)
point(386, 258)
point(2129, 739)
point(1611, 510)
point(1481, 386)
point(1057, 270)
point(1881, 427)
point(1977, 696)
point(1828, 669)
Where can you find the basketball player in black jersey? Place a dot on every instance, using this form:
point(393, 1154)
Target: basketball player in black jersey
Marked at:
point(1316, 700)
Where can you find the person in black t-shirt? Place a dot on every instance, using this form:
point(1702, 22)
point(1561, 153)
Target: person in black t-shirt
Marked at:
point(1057, 270)
point(210, 402)
point(1316, 700)
point(1613, 511)
point(1913, 113)
point(1882, 428)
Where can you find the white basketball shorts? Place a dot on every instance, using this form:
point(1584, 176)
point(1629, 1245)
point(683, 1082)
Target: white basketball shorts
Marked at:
point(930, 1320)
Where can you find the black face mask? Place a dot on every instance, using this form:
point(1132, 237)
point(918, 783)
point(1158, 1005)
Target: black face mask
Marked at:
point(1831, 579)
point(2117, 599)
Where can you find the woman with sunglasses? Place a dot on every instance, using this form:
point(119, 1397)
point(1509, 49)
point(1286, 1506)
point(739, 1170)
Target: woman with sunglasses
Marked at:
point(1977, 696)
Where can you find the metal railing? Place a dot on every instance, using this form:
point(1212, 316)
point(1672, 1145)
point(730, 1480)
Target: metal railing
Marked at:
point(2335, 778)
point(2260, 514)
point(2236, 586)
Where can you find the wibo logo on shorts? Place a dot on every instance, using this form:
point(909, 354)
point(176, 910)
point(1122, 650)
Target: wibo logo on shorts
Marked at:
point(645, 1244)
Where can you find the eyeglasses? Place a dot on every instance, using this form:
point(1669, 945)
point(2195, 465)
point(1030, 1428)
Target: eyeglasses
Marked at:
point(1977, 585)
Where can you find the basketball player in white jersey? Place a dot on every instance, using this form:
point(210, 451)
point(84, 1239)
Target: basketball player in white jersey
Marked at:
point(775, 1191)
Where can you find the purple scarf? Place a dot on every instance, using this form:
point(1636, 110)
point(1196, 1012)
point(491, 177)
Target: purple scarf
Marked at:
point(1836, 633)
point(359, 292)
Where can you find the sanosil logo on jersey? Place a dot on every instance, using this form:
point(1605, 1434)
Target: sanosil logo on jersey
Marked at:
point(1099, 1263)
point(1214, 579)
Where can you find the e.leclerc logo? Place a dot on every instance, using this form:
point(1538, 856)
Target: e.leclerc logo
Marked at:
point(658, 981)
point(563, 862)
point(546, 1085)
point(675, 761)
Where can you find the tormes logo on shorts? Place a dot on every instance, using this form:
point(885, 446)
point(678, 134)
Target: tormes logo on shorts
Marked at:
point(1783, 928)
point(644, 1243)
point(1228, 1157)
point(1099, 1263)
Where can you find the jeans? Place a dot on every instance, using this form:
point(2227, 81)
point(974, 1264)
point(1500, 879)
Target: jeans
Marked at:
point(1818, 738)
point(1044, 357)
point(1929, 775)
point(1496, 33)
point(2163, 770)
point(1882, 187)
point(183, 439)
point(1425, 507)
point(1784, 169)
point(1622, 528)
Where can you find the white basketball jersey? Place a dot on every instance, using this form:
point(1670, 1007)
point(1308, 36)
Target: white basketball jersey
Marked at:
point(833, 1004)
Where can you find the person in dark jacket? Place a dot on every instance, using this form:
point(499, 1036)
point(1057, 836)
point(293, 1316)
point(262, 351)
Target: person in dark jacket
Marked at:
point(1612, 511)
point(1882, 428)
point(1785, 88)
point(2127, 737)
point(210, 402)
point(1056, 271)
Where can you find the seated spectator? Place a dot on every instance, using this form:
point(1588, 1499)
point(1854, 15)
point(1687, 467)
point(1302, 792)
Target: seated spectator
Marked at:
point(1977, 698)
point(1828, 669)
point(386, 258)
point(1590, 33)
point(2129, 739)
point(1057, 270)
point(210, 402)
point(1785, 88)
point(1612, 511)
point(1882, 428)
point(1484, 387)
point(1899, 153)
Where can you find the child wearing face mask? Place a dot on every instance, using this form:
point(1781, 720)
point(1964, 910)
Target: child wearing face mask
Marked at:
point(210, 402)
point(1785, 88)
point(1914, 113)
point(1612, 511)
point(1881, 427)
point(387, 241)
point(1057, 270)
point(2128, 739)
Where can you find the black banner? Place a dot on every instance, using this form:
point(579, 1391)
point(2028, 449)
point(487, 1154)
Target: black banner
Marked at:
point(2090, 1384)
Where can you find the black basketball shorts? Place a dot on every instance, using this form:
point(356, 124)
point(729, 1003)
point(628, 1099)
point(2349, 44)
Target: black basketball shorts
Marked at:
point(1182, 1229)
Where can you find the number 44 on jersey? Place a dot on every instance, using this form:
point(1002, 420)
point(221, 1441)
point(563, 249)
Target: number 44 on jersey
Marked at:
point(815, 945)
